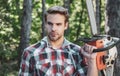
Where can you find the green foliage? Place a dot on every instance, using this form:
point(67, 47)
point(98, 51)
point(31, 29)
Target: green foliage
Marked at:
point(79, 23)
point(9, 34)
point(9, 69)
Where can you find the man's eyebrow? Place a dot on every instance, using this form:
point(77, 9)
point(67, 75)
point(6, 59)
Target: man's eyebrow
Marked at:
point(55, 23)
point(58, 23)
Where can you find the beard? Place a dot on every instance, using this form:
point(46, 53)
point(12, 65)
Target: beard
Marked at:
point(54, 36)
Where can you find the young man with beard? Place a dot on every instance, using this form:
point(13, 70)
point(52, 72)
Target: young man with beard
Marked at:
point(54, 55)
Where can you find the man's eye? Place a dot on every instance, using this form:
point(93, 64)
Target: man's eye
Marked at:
point(49, 23)
point(59, 24)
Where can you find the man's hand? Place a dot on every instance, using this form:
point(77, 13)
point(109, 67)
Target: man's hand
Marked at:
point(90, 57)
point(87, 51)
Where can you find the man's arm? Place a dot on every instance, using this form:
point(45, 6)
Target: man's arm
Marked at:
point(91, 60)
point(92, 68)
point(25, 65)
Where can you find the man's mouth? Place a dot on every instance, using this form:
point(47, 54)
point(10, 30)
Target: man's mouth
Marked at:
point(53, 34)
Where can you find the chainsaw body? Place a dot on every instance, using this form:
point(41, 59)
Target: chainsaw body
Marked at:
point(106, 57)
point(106, 49)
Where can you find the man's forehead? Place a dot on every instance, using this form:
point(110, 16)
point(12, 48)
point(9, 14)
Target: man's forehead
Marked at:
point(55, 17)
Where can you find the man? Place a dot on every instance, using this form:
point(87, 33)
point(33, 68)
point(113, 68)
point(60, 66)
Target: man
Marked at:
point(54, 55)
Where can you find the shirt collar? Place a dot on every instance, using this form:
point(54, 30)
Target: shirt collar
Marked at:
point(65, 43)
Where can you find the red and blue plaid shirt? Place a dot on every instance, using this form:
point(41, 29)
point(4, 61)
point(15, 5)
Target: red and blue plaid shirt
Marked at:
point(41, 59)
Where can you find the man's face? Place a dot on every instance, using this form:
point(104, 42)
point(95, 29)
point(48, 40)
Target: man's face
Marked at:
point(55, 26)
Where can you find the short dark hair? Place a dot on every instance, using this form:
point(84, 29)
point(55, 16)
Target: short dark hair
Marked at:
point(58, 9)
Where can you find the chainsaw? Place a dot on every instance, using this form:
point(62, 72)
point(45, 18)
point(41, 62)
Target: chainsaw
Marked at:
point(106, 45)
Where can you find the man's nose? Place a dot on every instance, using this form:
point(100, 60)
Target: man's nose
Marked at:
point(53, 28)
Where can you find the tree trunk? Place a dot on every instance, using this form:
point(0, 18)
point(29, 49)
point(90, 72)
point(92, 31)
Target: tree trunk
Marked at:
point(43, 18)
point(25, 26)
point(97, 12)
point(67, 5)
point(113, 26)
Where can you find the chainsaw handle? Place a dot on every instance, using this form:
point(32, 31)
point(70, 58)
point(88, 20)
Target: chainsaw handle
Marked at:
point(116, 41)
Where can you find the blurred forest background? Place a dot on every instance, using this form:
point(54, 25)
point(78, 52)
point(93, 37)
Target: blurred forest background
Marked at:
point(22, 24)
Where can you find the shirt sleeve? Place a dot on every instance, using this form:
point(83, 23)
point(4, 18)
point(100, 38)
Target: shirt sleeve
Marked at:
point(81, 68)
point(81, 65)
point(26, 68)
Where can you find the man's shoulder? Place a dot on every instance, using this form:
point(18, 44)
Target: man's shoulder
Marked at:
point(72, 46)
point(36, 46)
point(75, 46)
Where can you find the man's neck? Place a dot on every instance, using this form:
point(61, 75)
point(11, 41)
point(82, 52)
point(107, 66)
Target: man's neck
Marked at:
point(56, 44)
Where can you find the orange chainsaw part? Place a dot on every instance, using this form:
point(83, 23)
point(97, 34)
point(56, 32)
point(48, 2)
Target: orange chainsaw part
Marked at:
point(99, 59)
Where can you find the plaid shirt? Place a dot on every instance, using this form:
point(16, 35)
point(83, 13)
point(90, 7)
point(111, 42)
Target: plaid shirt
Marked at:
point(41, 59)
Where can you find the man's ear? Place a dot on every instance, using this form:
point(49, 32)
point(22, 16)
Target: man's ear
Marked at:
point(66, 25)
